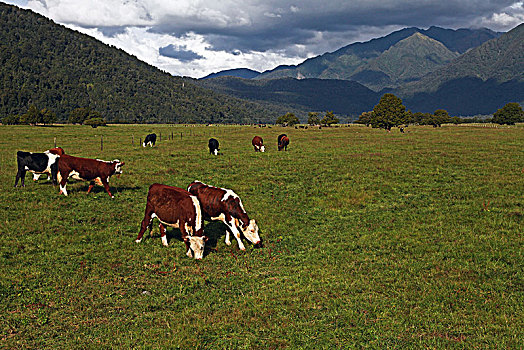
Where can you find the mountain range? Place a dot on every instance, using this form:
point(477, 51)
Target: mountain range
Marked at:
point(466, 72)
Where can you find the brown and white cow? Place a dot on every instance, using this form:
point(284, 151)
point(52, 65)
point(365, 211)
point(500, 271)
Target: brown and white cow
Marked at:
point(225, 205)
point(38, 164)
point(258, 144)
point(177, 208)
point(86, 169)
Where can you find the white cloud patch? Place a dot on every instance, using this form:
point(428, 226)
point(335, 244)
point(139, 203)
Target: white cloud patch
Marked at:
point(509, 17)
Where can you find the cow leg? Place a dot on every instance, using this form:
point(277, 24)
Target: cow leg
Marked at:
point(54, 173)
point(20, 175)
point(163, 234)
point(106, 186)
point(91, 185)
point(185, 237)
point(63, 183)
point(146, 223)
point(227, 240)
point(232, 225)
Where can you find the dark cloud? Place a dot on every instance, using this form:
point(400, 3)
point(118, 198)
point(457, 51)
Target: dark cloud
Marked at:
point(180, 53)
point(281, 26)
point(111, 32)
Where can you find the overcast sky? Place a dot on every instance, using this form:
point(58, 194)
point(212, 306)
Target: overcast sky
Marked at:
point(198, 37)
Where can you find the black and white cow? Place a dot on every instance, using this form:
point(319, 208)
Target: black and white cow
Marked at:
point(149, 140)
point(213, 146)
point(225, 205)
point(38, 163)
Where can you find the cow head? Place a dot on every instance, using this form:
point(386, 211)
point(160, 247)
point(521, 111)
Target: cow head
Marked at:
point(196, 246)
point(262, 148)
point(59, 151)
point(251, 233)
point(118, 166)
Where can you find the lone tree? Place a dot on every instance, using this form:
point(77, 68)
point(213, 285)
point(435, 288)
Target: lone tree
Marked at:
point(95, 122)
point(388, 113)
point(329, 119)
point(441, 116)
point(510, 114)
point(313, 118)
point(288, 119)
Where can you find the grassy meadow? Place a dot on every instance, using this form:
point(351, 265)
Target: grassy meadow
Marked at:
point(372, 240)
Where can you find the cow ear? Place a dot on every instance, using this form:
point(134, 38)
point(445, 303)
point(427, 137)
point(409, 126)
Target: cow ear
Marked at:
point(186, 239)
point(206, 238)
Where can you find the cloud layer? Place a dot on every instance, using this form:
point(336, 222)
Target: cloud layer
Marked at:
point(197, 37)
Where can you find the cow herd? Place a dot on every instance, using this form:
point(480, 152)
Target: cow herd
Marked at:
point(172, 206)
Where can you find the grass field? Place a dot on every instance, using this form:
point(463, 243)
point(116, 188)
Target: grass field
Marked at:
point(372, 239)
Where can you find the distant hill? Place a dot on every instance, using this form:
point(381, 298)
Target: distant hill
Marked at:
point(352, 62)
point(341, 96)
point(237, 73)
point(50, 66)
point(407, 60)
point(478, 82)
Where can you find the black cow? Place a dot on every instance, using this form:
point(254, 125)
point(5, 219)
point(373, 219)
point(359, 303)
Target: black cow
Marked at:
point(38, 163)
point(283, 141)
point(213, 146)
point(149, 140)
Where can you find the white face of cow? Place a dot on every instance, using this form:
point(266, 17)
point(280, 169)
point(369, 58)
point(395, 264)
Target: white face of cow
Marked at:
point(262, 148)
point(251, 232)
point(118, 166)
point(215, 151)
point(196, 245)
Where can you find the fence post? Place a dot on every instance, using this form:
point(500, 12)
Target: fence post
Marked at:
point(55, 142)
point(133, 140)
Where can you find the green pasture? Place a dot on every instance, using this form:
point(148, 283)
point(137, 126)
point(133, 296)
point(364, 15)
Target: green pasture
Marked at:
point(372, 240)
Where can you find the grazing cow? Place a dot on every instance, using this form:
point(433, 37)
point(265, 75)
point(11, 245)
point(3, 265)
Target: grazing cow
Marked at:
point(38, 163)
point(177, 208)
point(149, 140)
point(85, 169)
point(213, 146)
point(283, 141)
point(258, 144)
point(224, 205)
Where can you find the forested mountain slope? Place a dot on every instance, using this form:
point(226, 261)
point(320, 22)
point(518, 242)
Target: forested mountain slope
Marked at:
point(50, 66)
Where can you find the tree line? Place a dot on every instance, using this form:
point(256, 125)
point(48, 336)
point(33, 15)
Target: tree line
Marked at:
point(390, 112)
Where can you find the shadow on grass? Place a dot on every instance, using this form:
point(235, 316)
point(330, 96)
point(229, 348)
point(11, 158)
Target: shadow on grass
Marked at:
point(114, 190)
point(215, 231)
